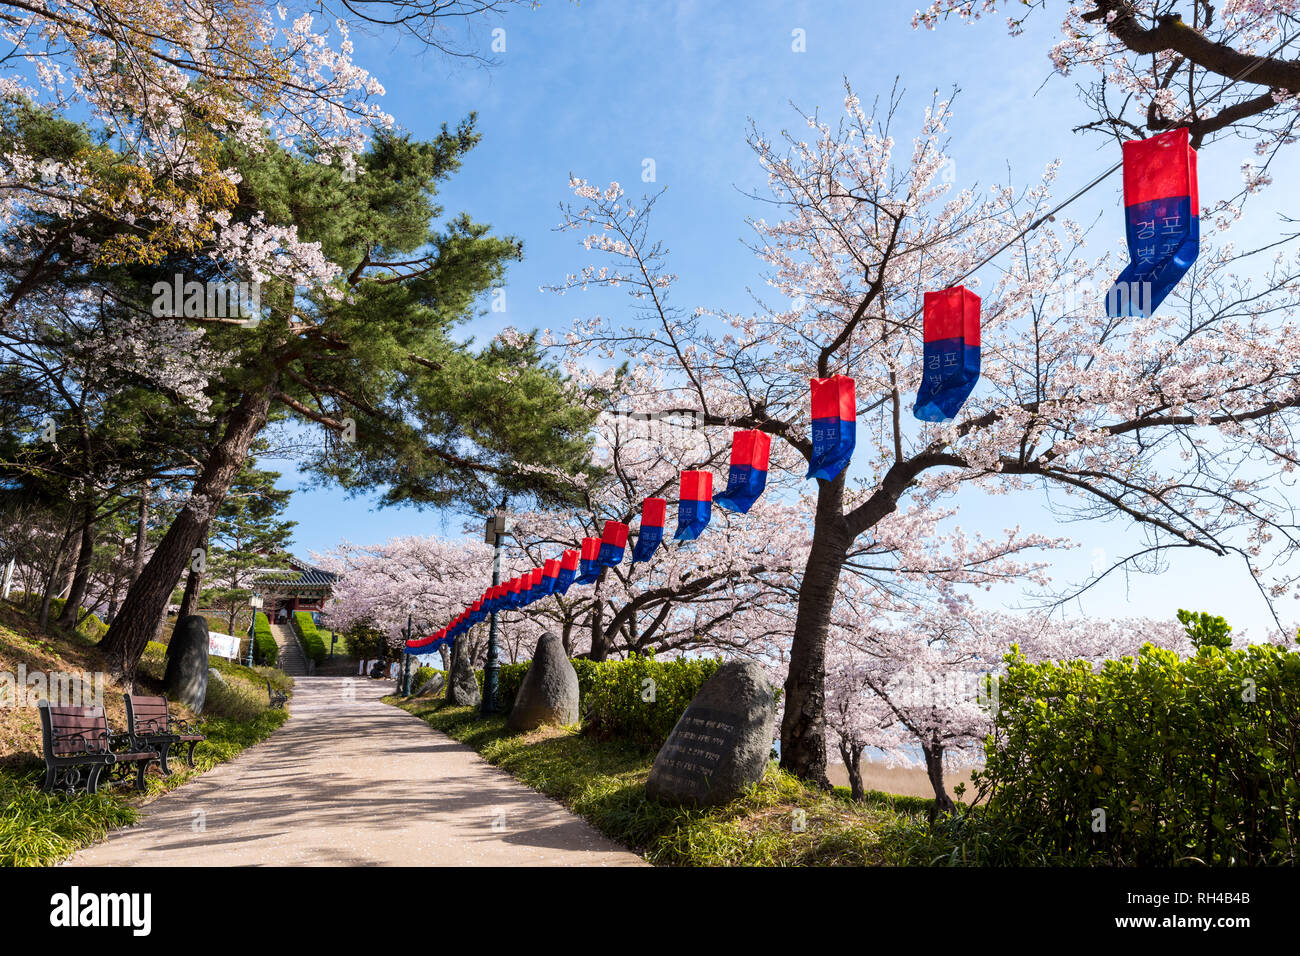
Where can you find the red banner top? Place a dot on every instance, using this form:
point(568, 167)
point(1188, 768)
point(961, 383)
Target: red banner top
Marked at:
point(751, 448)
point(834, 397)
point(653, 511)
point(1161, 167)
point(697, 486)
point(952, 314)
point(615, 533)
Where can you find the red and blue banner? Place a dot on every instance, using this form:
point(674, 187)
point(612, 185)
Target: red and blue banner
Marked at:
point(533, 586)
point(428, 644)
point(747, 476)
point(550, 575)
point(1162, 221)
point(568, 571)
point(651, 532)
point(951, 353)
point(613, 542)
point(694, 504)
point(834, 426)
point(589, 561)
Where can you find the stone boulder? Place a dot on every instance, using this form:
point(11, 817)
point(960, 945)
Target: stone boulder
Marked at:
point(462, 685)
point(722, 742)
point(431, 686)
point(548, 693)
point(186, 677)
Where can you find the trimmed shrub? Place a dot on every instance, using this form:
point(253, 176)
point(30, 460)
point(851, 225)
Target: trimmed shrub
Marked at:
point(1190, 760)
point(639, 699)
point(265, 651)
point(312, 645)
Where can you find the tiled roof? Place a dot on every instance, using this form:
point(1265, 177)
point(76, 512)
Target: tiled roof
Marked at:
point(298, 574)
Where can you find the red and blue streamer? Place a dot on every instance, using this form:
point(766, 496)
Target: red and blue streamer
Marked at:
point(651, 532)
point(568, 571)
point(613, 543)
point(747, 476)
point(951, 353)
point(694, 504)
point(834, 426)
point(1162, 221)
point(589, 561)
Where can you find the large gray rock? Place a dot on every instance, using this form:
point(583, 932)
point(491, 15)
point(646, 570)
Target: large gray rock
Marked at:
point(722, 742)
point(462, 685)
point(186, 677)
point(548, 693)
point(431, 686)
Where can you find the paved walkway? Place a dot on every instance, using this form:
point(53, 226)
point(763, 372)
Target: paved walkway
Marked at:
point(355, 782)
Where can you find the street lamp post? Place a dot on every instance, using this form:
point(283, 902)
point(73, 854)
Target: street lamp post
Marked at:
point(254, 602)
point(497, 528)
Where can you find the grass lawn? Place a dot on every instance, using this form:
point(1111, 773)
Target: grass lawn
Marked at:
point(38, 829)
point(779, 822)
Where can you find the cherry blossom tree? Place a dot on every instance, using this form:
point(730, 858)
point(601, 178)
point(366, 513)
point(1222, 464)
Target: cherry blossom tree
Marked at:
point(1179, 425)
point(922, 686)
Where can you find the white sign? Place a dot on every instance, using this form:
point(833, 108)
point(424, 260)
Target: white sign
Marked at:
point(223, 645)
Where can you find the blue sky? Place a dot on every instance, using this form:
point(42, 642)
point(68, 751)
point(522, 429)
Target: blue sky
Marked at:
point(597, 88)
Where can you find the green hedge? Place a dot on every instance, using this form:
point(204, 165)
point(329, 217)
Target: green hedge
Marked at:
point(265, 651)
point(640, 699)
point(1192, 760)
point(312, 645)
point(612, 694)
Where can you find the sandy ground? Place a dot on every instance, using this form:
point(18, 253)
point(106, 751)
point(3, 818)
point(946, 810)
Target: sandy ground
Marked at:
point(352, 781)
point(908, 781)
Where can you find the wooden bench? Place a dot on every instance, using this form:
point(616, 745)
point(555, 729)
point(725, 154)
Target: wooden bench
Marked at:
point(278, 697)
point(79, 749)
point(149, 723)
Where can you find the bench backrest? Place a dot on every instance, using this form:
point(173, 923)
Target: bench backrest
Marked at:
point(147, 715)
point(73, 730)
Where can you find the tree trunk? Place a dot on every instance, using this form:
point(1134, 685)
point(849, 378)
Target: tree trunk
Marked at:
point(934, 770)
point(803, 723)
point(53, 576)
point(141, 534)
point(599, 644)
point(81, 574)
point(146, 601)
point(852, 757)
point(194, 583)
point(70, 576)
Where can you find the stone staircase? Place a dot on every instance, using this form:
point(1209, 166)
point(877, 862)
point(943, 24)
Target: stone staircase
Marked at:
point(291, 661)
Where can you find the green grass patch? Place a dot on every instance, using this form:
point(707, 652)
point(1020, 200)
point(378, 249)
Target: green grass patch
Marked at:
point(38, 829)
point(778, 822)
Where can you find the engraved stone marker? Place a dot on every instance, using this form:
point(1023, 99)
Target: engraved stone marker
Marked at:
point(722, 742)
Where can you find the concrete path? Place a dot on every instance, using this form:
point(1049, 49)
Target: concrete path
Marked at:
point(352, 781)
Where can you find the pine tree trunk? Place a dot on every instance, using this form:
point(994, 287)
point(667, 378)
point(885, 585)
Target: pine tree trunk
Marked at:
point(52, 577)
point(803, 723)
point(141, 534)
point(71, 574)
point(146, 601)
point(81, 573)
point(194, 582)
